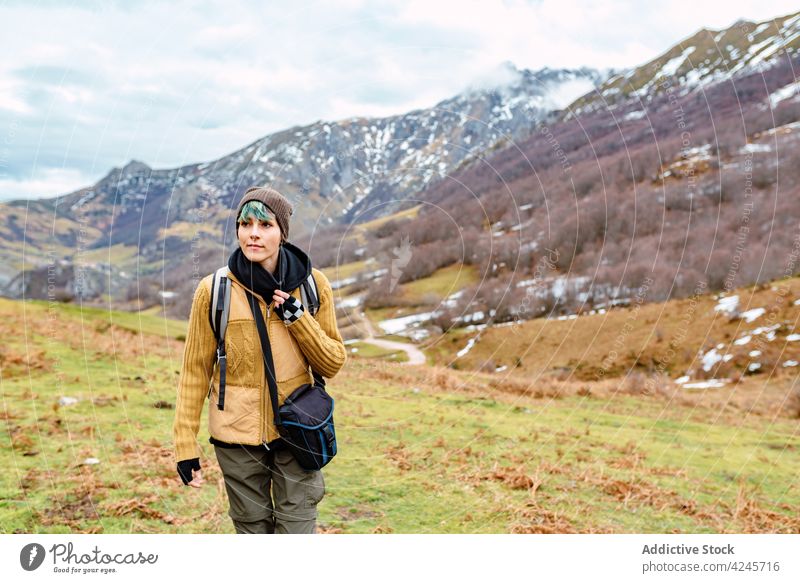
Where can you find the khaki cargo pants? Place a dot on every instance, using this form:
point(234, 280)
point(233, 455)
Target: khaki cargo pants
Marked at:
point(268, 491)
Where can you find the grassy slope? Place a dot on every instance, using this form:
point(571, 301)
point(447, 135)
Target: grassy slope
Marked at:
point(131, 321)
point(421, 295)
point(442, 283)
point(421, 450)
point(113, 255)
point(370, 351)
point(345, 270)
point(359, 229)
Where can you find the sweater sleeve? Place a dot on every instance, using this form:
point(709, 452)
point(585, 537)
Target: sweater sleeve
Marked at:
point(319, 336)
point(198, 362)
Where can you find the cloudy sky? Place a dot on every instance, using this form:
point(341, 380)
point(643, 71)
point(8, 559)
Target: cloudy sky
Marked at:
point(85, 86)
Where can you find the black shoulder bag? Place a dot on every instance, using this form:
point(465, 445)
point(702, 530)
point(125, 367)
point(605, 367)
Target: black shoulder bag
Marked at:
point(305, 420)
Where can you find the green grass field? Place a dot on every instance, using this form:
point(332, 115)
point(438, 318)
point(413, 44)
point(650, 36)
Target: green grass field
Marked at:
point(421, 450)
point(440, 284)
point(370, 351)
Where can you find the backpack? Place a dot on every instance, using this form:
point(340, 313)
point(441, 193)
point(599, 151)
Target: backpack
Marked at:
point(218, 316)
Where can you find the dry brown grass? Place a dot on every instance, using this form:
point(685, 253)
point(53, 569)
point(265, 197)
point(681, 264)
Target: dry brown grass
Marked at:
point(753, 518)
point(533, 519)
point(575, 357)
point(399, 456)
point(17, 363)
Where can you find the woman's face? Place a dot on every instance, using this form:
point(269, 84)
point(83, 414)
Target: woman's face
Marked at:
point(259, 239)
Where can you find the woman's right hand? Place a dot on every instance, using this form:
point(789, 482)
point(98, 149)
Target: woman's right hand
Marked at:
point(185, 468)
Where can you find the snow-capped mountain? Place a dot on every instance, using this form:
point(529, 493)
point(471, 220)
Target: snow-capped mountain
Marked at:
point(351, 164)
point(136, 220)
point(349, 168)
point(707, 57)
point(337, 171)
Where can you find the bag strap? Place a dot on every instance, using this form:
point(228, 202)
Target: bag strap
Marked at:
point(218, 314)
point(269, 365)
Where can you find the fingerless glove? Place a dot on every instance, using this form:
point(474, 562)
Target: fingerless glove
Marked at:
point(290, 310)
point(185, 468)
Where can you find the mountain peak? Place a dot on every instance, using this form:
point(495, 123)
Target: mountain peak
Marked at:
point(706, 57)
point(134, 167)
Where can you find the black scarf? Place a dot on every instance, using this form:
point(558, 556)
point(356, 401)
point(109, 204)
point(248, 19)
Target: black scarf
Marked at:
point(294, 266)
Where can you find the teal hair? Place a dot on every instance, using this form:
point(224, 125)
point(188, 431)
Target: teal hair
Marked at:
point(256, 209)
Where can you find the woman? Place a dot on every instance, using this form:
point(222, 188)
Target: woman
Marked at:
point(267, 489)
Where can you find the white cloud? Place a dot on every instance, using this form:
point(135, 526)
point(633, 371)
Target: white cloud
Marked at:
point(10, 99)
point(173, 83)
point(565, 93)
point(44, 184)
point(574, 33)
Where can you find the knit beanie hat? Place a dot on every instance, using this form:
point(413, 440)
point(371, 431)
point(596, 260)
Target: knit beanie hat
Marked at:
point(276, 203)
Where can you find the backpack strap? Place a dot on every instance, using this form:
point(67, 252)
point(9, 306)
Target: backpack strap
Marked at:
point(308, 294)
point(310, 297)
point(219, 310)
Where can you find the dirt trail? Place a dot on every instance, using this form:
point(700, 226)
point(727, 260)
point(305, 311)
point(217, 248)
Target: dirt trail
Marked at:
point(415, 355)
